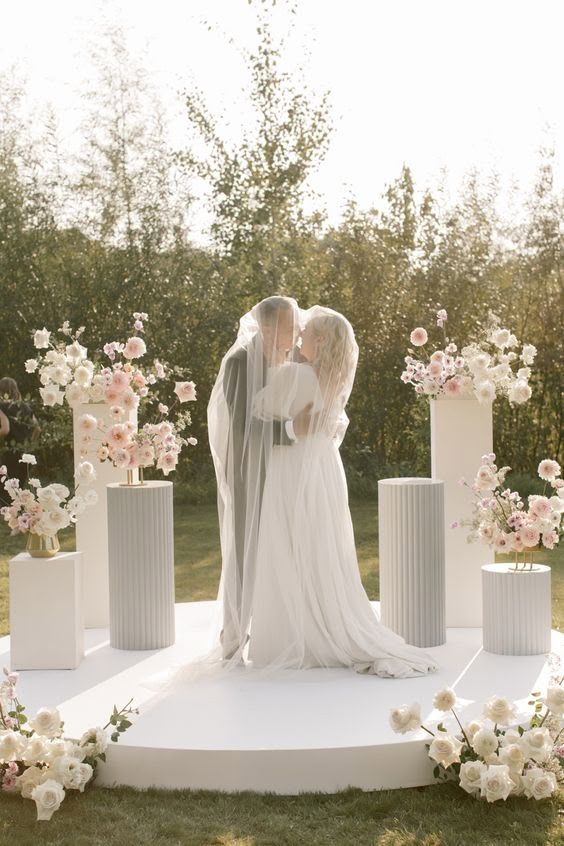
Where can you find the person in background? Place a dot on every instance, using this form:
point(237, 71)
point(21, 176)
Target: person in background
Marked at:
point(18, 428)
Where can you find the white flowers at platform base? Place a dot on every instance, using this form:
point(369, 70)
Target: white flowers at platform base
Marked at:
point(496, 757)
point(37, 761)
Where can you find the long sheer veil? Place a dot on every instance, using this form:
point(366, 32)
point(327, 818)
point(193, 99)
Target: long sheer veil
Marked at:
point(262, 385)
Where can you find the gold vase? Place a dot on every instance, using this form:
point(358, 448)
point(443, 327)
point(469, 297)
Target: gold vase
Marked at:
point(130, 483)
point(42, 546)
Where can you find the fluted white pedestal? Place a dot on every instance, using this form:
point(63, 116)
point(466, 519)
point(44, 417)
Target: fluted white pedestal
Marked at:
point(141, 565)
point(412, 559)
point(517, 610)
point(461, 432)
point(92, 525)
point(46, 612)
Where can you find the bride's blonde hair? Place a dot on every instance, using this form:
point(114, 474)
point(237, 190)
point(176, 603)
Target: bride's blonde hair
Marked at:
point(336, 352)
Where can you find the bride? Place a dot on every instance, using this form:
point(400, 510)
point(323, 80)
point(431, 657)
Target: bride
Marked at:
point(290, 594)
point(309, 606)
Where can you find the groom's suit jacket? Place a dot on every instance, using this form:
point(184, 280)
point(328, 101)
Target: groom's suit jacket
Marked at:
point(247, 460)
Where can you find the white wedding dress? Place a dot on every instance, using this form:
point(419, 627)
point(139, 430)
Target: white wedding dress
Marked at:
point(310, 608)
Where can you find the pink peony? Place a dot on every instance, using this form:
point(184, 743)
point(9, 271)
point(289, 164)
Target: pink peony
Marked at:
point(435, 369)
point(120, 380)
point(120, 457)
point(129, 400)
point(167, 462)
point(549, 539)
point(529, 536)
point(418, 337)
point(540, 506)
point(117, 435)
point(134, 348)
point(549, 469)
point(112, 395)
point(139, 380)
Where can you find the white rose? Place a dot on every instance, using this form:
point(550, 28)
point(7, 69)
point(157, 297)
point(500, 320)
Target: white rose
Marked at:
point(485, 391)
point(46, 722)
point(519, 392)
point(55, 519)
point(554, 700)
point(29, 779)
point(539, 783)
point(185, 391)
point(471, 775)
point(94, 742)
point(84, 473)
point(51, 395)
point(47, 497)
point(31, 365)
point(83, 376)
point(60, 491)
point(444, 699)
point(74, 394)
point(496, 783)
point(12, 745)
point(47, 797)
point(87, 423)
point(485, 742)
point(513, 756)
point(528, 353)
point(537, 744)
point(406, 718)
point(499, 710)
point(472, 728)
point(56, 748)
point(501, 338)
point(35, 751)
point(445, 749)
point(41, 339)
point(75, 352)
point(71, 773)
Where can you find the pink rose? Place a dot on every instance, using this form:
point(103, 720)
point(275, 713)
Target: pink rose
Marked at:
point(529, 536)
point(453, 387)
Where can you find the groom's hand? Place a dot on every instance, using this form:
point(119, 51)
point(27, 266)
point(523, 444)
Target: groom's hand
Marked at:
point(305, 421)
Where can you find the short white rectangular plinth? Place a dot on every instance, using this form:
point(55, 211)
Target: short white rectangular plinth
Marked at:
point(92, 525)
point(517, 610)
point(461, 432)
point(46, 612)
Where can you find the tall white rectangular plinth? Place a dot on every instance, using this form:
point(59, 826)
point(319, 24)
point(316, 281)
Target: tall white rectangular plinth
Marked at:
point(461, 432)
point(92, 525)
point(46, 612)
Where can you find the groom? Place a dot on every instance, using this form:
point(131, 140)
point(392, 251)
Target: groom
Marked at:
point(277, 319)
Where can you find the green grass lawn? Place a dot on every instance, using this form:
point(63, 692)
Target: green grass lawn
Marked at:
point(440, 815)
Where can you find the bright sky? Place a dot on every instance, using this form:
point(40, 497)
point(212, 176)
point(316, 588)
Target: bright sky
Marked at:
point(437, 84)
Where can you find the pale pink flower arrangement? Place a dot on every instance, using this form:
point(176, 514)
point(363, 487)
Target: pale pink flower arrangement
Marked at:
point(484, 370)
point(500, 518)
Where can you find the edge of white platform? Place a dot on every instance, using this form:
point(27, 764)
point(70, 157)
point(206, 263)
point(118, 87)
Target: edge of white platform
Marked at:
point(233, 734)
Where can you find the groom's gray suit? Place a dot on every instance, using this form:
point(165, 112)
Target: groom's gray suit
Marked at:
point(247, 460)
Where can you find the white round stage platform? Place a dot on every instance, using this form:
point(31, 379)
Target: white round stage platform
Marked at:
point(317, 730)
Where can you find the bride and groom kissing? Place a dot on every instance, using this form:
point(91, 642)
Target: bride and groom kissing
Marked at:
point(290, 594)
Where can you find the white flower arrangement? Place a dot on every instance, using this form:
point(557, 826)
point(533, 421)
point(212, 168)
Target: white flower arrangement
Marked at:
point(500, 518)
point(45, 510)
point(496, 757)
point(485, 370)
point(38, 762)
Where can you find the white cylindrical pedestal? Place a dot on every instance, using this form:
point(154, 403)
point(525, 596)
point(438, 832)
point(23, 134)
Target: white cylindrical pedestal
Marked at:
point(46, 612)
point(461, 432)
point(412, 559)
point(92, 525)
point(141, 565)
point(517, 610)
